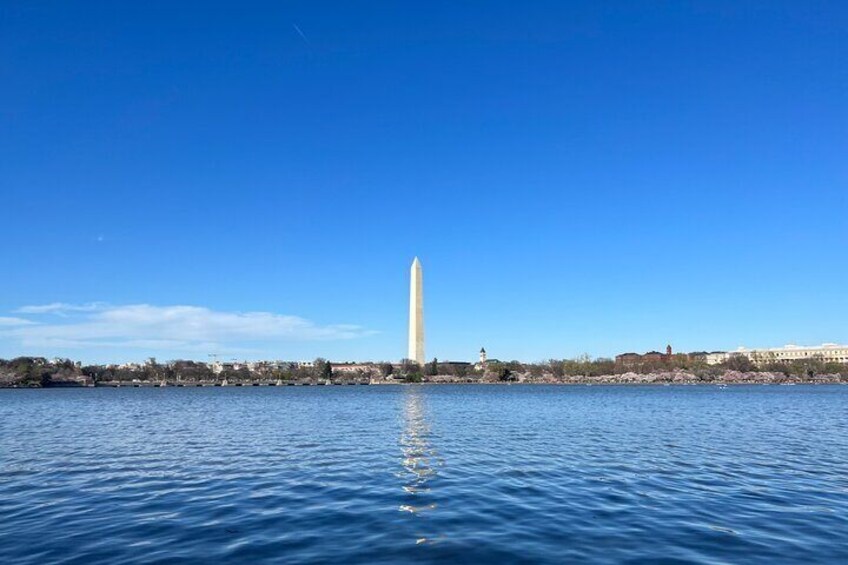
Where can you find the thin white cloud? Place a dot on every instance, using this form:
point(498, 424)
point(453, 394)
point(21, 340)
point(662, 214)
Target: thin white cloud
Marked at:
point(186, 328)
point(60, 308)
point(6, 321)
point(302, 35)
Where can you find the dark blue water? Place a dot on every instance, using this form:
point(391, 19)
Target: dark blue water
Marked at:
point(425, 473)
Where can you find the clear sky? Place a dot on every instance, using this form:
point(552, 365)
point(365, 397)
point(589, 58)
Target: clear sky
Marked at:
point(254, 179)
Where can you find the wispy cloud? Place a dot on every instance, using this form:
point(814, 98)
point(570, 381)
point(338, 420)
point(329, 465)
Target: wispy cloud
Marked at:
point(60, 308)
point(6, 321)
point(302, 35)
point(145, 326)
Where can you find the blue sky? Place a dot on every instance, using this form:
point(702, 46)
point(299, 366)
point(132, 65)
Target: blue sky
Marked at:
point(254, 179)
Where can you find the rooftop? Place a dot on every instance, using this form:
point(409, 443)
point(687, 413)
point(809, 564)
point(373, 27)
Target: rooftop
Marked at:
point(793, 347)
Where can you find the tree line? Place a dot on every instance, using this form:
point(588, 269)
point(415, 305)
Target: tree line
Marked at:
point(37, 371)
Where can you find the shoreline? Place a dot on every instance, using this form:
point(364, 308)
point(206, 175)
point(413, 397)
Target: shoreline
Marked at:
point(29, 372)
point(719, 384)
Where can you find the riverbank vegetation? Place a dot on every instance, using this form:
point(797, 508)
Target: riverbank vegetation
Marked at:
point(681, 368)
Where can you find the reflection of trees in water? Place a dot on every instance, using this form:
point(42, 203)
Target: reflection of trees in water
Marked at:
point(419, 458)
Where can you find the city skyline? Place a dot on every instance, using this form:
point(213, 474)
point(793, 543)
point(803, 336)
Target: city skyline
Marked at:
point(578, 178)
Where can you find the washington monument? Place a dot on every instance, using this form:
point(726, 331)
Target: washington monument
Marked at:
point(416, 313)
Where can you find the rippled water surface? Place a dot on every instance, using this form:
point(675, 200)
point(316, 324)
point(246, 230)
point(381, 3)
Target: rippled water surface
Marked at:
point(425, 473)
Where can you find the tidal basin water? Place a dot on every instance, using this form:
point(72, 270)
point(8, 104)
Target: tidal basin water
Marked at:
point(607, 474)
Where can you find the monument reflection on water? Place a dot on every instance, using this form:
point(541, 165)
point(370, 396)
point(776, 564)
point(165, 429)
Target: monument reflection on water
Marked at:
point(419, 459)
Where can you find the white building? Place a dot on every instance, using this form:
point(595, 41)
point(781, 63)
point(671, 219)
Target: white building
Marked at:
point(353, 367)
point(827, 352)
point(481, 365)
point(717, 357)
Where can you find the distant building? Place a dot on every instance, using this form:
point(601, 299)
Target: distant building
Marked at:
point(354, 367)
point(716, 357)
point(455, 363)
point(653, 357)
point(484, 361)
point(630, 359)
point(827, 352)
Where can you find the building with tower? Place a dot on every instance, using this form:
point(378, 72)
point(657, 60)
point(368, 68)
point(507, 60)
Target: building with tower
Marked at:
point(631, 359)
point(484, 361)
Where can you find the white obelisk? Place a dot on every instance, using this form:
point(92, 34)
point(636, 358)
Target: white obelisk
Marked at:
point(416, 313)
